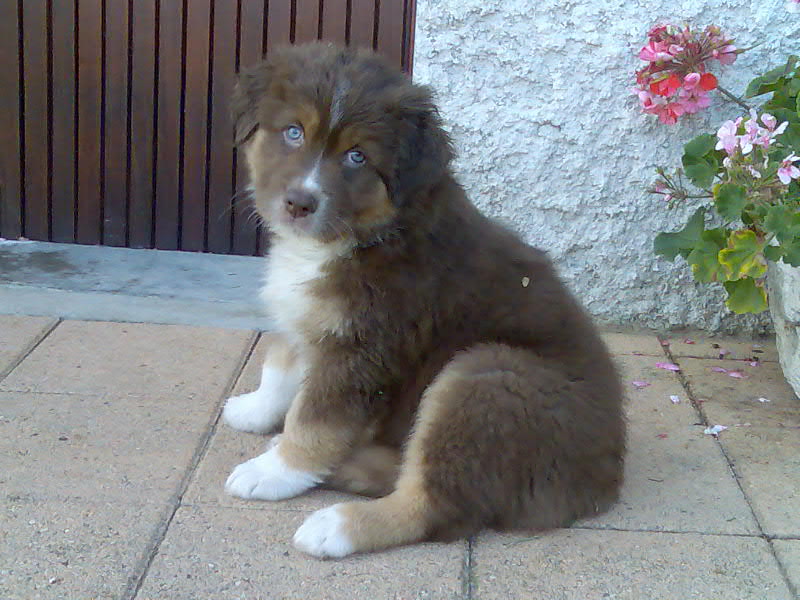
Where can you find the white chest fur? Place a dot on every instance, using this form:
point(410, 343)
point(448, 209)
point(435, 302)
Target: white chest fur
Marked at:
point(293, 264)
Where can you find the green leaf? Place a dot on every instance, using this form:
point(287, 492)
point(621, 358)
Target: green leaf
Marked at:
point(791, 137)
point(765, 83)
point(791, 252)
point(744, 256)
point(670, 245)
point(700, 146)
point(783, 221)
point(700, 170)
point(744, 296)
point(730, 199)
point(773, 253)
point(771, 79)
point(704, 259)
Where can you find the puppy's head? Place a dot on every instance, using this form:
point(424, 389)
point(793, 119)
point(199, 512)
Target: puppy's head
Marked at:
point(338, 143)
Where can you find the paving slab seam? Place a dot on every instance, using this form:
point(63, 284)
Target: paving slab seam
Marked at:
point(756, 536)
point(140, 571)
point(698, 407)
point(43, 334)
point(467, 572)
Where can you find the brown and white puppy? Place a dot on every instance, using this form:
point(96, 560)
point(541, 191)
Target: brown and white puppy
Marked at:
point(423, 354)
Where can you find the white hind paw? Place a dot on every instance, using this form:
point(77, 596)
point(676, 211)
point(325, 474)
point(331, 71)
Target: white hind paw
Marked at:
point(323, 534)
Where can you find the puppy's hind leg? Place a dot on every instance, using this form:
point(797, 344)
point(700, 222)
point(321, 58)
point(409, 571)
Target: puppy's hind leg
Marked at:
point(502, 439)
point(263, 410)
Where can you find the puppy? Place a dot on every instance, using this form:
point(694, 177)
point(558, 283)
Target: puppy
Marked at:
point(423, 354)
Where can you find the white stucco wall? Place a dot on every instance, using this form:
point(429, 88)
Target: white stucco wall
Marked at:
point(536, 96)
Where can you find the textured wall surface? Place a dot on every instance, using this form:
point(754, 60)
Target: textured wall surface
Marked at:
point(537, 98)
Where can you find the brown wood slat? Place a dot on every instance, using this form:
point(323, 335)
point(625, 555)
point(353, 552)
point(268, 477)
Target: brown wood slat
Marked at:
point(198, 26)
point(90, 77)
point(279, 23)
point(115, 188)
point(334, 21)
point(362, 22)
point(306, 27)
point(169, 126)
point(251, 44)
point(62, 205)
point(390, 30)
point(34, 20)
point(143, 62)
point(408, 33)
point(220, 167)
point(10, 165)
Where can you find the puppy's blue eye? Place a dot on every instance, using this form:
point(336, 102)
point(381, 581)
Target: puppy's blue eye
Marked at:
point(293, 135)
point(356, 158)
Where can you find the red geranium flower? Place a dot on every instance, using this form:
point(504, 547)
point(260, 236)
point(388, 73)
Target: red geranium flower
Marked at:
point(667, 86)
point(708, 82)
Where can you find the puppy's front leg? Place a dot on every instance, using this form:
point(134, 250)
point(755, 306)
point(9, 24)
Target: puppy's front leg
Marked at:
point(329, 416)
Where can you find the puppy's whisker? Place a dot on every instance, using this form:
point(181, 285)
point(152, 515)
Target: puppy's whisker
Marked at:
point(241, 200)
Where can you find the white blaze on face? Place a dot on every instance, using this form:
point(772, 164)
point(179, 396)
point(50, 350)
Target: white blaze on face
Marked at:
point(311, 182)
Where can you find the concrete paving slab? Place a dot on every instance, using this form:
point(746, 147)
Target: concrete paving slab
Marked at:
point(18, 335)
point(729, 401)
point(767, 462)
point(788, 553)
point(625, 565)
point(704, 346)
point(157, 361)
point(72, 550)
point(226, 553)
point(676, 478)
point(70, 446)
point(763, 439)
point(633, 343)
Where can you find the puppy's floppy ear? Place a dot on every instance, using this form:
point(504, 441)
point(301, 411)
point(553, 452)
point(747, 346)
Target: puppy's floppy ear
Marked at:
point(425, 149)
point(250, 88)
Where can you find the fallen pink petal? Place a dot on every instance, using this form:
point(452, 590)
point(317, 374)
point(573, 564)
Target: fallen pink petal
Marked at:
point(668, 366)
point(688, 341)
point(662, 435)
point(719, 370)
point(736, 374)
point(754, 363)
point(639, 384)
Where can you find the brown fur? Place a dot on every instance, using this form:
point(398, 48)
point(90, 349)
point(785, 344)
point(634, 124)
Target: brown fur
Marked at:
point(442, 334)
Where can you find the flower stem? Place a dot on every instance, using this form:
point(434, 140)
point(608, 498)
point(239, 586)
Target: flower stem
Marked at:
point(730, 96)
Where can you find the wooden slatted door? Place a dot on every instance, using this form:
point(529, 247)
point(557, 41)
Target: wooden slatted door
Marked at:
point(114, 122)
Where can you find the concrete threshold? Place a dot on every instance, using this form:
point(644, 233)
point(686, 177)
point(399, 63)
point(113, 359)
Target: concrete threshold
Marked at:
point(102, 283)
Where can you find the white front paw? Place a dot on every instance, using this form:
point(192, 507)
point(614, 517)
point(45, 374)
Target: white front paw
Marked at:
point(267, 477)
point(323, 534)
point(251, 412)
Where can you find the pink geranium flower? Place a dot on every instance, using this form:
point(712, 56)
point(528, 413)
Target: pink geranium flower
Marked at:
point(655, 52)
point(726, 55)
point(728, 138)
point(788, 171)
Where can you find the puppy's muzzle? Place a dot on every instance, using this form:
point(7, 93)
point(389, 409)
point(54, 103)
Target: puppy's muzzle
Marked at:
point(300, 203)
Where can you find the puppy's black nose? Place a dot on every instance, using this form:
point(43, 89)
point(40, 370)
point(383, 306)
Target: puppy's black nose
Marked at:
point(299, 203)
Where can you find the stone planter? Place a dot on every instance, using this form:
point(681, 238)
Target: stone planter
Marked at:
point(784, 304)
